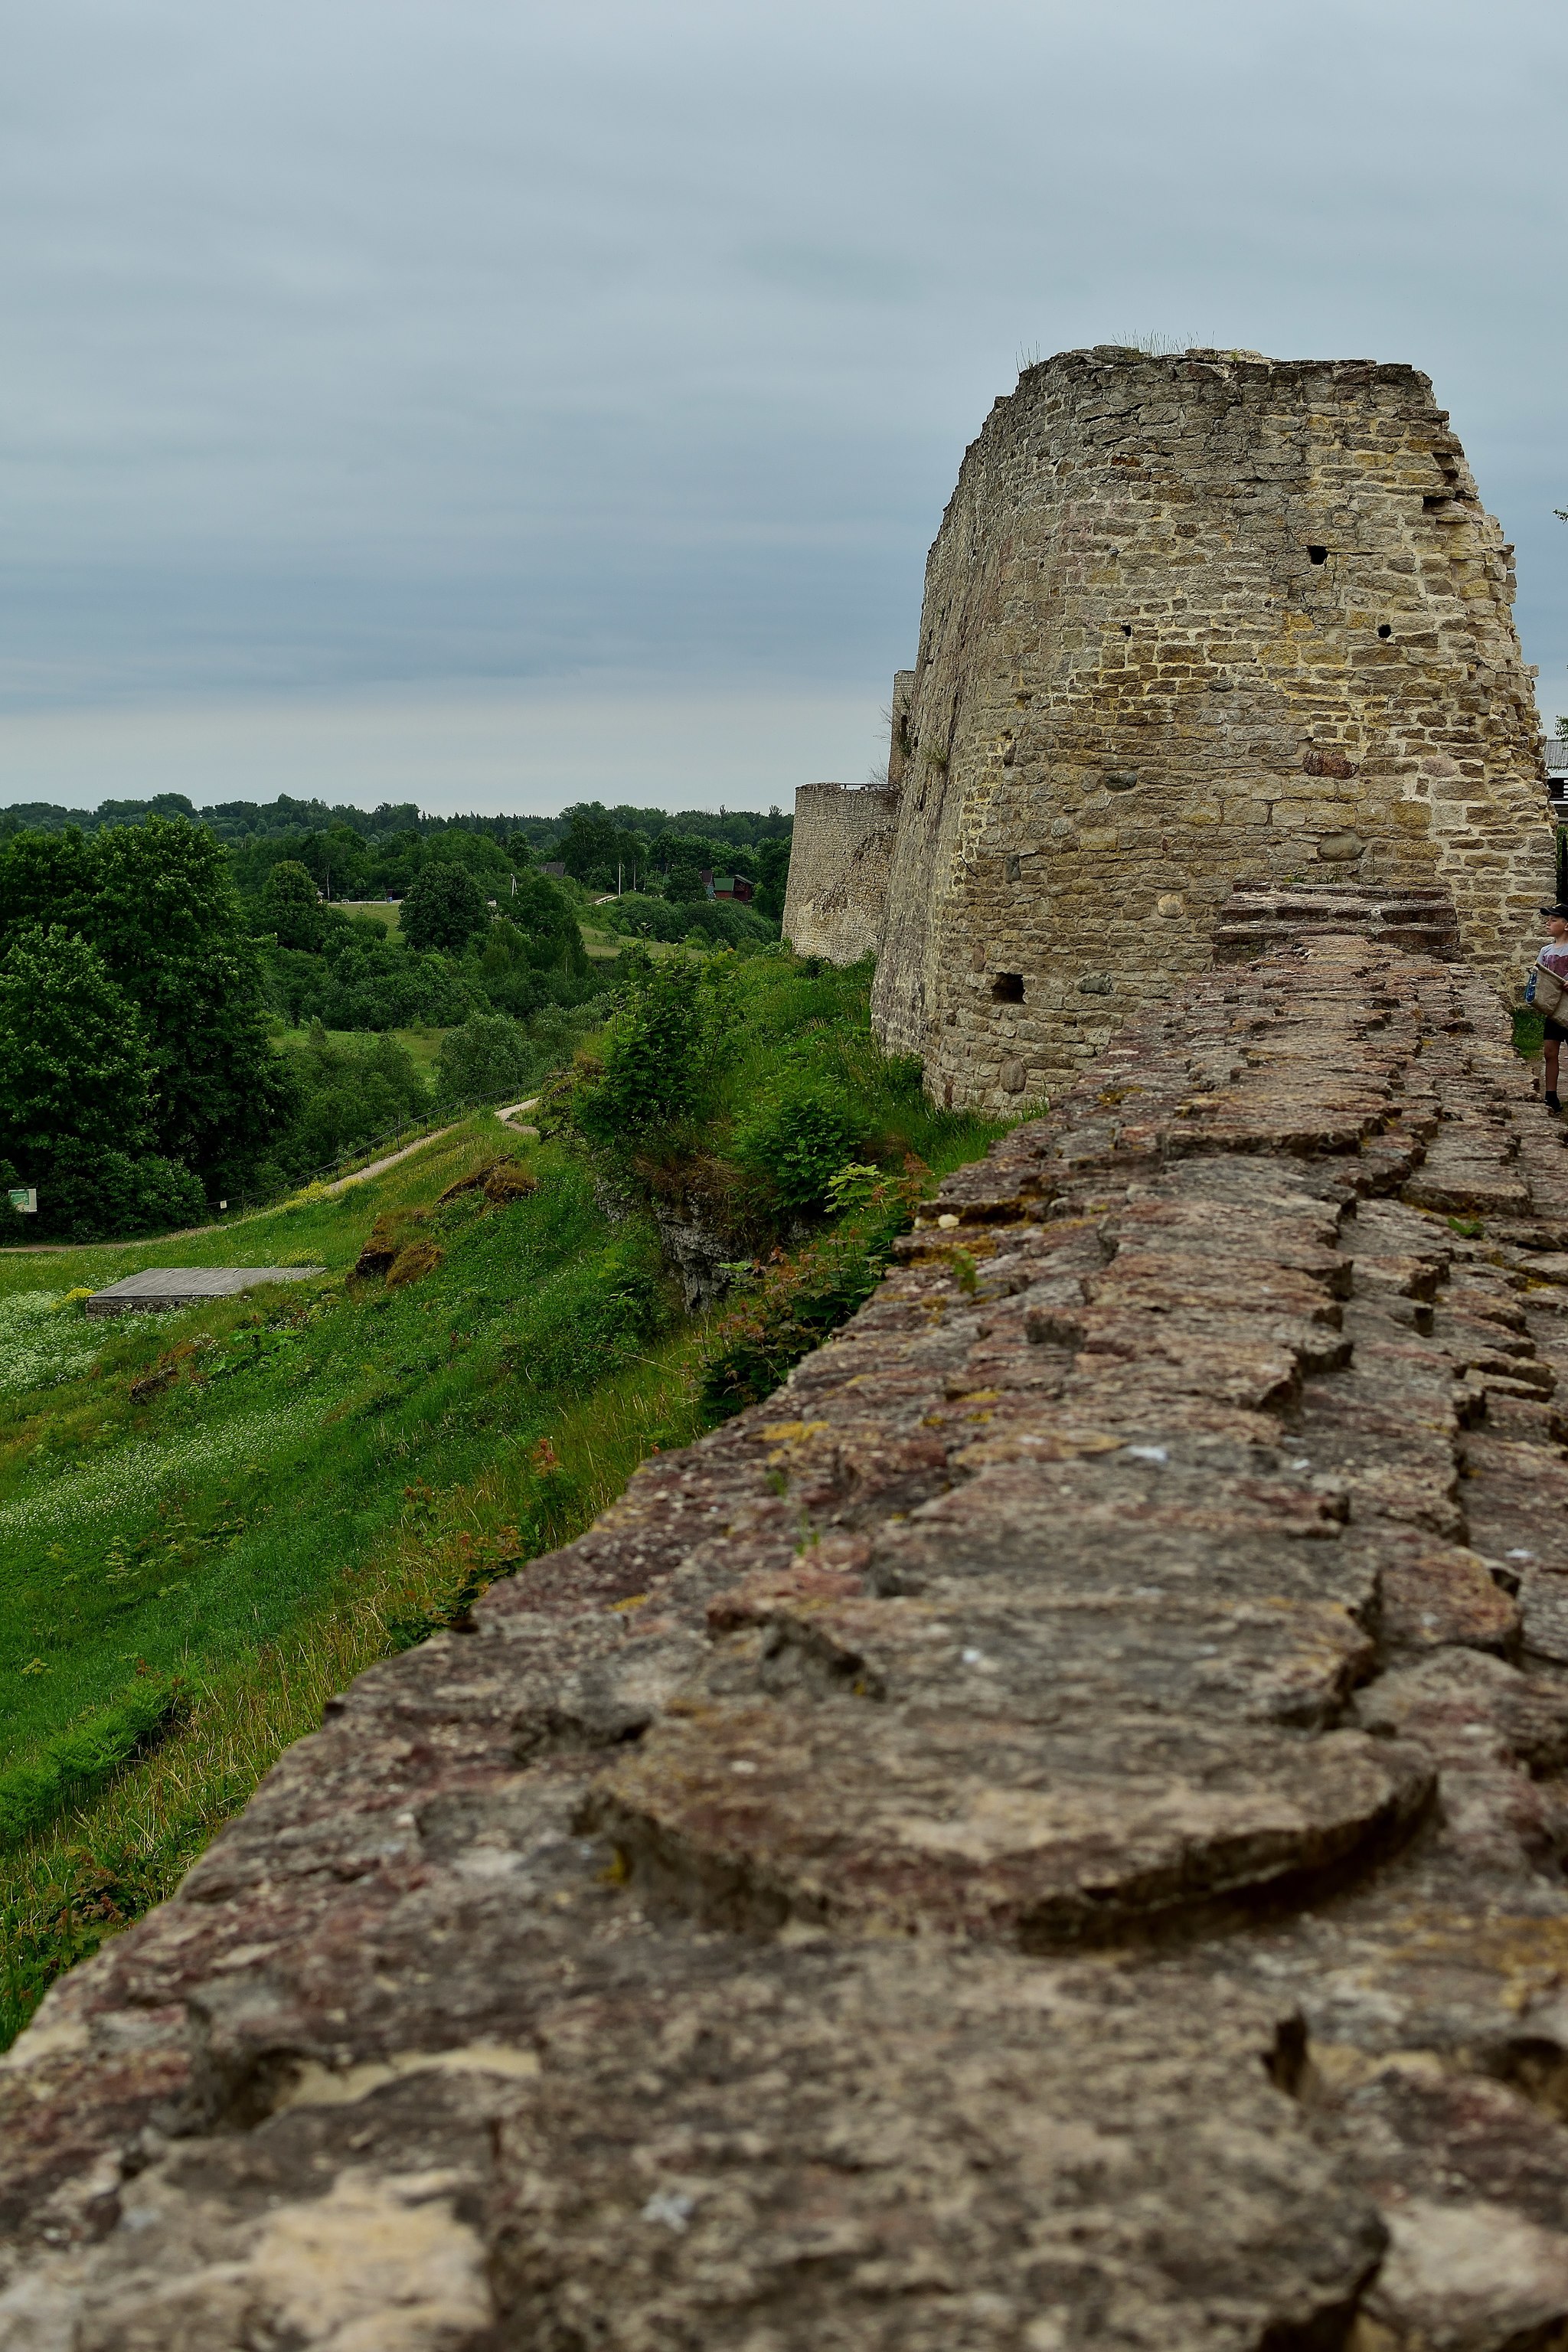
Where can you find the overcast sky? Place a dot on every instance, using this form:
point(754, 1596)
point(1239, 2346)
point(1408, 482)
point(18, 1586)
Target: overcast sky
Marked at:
point(497, 404)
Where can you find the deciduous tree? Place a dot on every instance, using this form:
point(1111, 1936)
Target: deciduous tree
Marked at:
point(74, 1063)
point(444, 908)
point(292, 907)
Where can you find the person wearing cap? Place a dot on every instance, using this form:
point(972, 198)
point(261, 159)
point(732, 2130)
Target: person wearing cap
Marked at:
point(1549, 992)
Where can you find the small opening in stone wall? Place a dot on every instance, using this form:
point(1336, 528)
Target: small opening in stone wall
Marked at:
point(1127, 628)
point(1383, 629)
point(1008, 988)
point(1317, 555)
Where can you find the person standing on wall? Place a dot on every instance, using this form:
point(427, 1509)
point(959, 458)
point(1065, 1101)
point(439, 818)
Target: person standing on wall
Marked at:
point(1548, 991)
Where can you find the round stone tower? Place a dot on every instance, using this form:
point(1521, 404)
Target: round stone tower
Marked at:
point(1192, 622)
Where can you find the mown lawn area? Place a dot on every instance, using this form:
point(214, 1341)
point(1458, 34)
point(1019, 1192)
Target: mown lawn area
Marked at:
point(422, 1046)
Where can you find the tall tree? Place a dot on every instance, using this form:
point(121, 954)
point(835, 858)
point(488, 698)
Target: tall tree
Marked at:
point(74, 1063)
point(588, 845)
point(156, 902)
point(773, 875)
point(291, 908)
point(544, 915)
point(167, 922)
point(444, 908)
point(47, 878)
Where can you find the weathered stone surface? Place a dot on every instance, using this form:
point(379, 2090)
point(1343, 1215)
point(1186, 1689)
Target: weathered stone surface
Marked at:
point(1205, 638)
point(1050, 1833)
point(839, 858)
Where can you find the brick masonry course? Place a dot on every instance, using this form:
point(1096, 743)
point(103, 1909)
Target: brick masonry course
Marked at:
point(1049, 1833)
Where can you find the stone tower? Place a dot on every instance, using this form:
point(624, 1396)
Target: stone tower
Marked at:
point(836, 893)
point(1190, 622)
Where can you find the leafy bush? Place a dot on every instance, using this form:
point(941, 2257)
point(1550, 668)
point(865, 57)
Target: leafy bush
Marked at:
point(657, 1057)
point(484, 1061)
point(798, 1302)
point(718, 922)
point(796, 1144)
point(87, 1194)
point(1528, 1031)
point(347, 1094)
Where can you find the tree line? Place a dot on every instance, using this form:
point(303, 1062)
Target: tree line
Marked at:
point(356, 854)
point(147, 973)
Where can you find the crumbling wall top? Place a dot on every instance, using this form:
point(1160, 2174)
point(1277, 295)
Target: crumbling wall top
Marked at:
point(1047, 1833)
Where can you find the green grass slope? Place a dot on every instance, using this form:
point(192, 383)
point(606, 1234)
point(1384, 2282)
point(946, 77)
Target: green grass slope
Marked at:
point(246, 1503)
point(211, 1521)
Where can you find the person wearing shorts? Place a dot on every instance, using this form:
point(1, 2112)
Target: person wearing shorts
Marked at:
point(1551, 994)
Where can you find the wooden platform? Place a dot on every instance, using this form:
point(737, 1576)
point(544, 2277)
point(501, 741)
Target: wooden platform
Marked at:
point(183, 1285)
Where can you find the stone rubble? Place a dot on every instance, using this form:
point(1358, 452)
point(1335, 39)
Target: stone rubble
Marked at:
point(1049, 1833)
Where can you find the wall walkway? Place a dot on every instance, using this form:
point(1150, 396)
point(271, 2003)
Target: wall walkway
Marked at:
point(1047, 1833)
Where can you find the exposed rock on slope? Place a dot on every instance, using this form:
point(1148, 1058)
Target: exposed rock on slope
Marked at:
point(1047, 1833)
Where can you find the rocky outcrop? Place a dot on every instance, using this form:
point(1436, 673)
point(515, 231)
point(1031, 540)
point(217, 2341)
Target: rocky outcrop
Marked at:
point(1049, 1833)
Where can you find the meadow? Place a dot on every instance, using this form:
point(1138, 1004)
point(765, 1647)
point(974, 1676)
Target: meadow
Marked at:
point(423, 1045)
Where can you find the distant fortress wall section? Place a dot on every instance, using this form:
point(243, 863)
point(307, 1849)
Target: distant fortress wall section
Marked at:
point(840, 855)
point(1190, 622)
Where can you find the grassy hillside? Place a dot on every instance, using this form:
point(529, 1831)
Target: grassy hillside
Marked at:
point(212, 1520)
point(423, 1045)
point(239, 1507)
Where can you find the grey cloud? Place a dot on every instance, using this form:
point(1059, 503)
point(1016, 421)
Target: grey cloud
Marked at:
point(359, 340)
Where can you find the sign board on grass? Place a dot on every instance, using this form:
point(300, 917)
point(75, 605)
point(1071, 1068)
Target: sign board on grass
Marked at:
point(25, 1198)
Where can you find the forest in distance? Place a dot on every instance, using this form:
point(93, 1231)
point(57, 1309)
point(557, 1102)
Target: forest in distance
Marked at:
point(194, 1011)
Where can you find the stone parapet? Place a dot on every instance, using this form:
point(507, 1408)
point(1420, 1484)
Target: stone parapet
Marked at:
point(1188, 622)
point(1047, 1834)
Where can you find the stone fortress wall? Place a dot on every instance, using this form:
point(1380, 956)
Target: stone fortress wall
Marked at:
point(839, 860)
point(1049, 1834)
point(1189, 622)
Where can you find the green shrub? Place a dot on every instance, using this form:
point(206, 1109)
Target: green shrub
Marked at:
point(92, 1195)
point(797, 1144)
point(1529, 1034)
point(657, 1057)
point(348, 1092)
point(713, 922)
point(484, 1061)
point(797, 1303)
